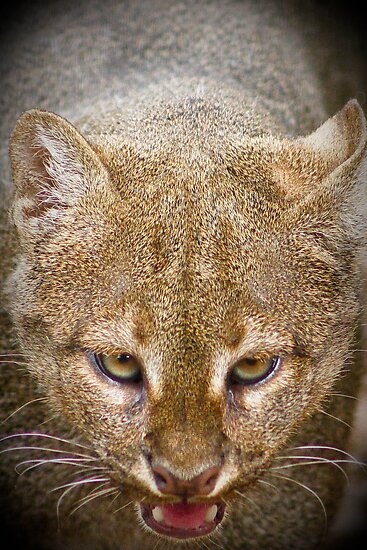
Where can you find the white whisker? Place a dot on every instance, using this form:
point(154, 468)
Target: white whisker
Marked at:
point(281, 476)
point(101, 492)
point(118, 493)
point(46, 436)
point(329, 448)
point(124, 506)
point(11, 362)
point(215, 543)
point(314, 460)
point(68, 488)
point(269, 484)
point(60, 499)
point(15, 354)
point(78, 483)
point(249, 499)
point(335, 418)
point(308, 463)
point(344, 395)
point(53, 417)
point(93, 491)
point(98, 469)
point(38, 462)
point(22, 407)
point(47, 449)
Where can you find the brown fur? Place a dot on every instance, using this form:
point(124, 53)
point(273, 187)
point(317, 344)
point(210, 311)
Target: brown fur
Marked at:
point(189, 234)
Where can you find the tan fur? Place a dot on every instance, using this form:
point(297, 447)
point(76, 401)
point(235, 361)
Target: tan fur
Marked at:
point(188, 229)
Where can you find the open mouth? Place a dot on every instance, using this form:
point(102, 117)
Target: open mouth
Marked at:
point(183, 520)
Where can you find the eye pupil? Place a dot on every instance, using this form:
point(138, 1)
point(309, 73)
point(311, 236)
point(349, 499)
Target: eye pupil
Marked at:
point(123, 358)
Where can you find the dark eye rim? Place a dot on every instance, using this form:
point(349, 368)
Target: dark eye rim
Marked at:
point(97, 362)
point(234, 380)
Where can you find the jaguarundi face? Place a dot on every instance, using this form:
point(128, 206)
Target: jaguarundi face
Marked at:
point(186, 313)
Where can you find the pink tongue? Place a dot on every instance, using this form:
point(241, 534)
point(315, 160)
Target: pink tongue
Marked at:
point(184, 515)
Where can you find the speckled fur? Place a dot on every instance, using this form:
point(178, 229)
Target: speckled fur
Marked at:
point(191, 209)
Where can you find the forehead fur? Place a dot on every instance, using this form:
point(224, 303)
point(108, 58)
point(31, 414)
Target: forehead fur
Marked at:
point(192, 250)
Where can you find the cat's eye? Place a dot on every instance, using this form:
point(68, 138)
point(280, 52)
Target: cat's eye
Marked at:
point(121, 368)
point(249, 370)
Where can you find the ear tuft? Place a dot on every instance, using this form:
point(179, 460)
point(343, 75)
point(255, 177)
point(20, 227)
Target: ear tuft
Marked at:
point(53, 165)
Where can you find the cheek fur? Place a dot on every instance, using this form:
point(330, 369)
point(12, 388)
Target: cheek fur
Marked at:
point(101, 403)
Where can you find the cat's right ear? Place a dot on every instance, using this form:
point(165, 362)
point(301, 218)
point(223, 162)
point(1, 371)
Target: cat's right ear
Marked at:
point(53, 167)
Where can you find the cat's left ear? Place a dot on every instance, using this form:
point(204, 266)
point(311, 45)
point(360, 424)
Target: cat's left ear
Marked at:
point(329, 160)
point(341, 142)
point(335, 183)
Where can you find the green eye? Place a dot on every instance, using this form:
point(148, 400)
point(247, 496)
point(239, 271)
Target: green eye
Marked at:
point(121, 368)
point(248, 370)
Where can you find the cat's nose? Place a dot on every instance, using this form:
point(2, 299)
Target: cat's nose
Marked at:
point(200, 485)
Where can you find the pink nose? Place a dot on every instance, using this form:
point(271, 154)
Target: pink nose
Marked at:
point(201, 485)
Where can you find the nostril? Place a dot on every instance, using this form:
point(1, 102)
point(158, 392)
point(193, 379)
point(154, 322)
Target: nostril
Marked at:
point(210, 483)
point(163, 479)
point(208, 479)
point(161, 482)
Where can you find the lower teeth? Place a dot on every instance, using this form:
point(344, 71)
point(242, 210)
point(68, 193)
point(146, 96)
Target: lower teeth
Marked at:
point(211, 513)
point(157, 514)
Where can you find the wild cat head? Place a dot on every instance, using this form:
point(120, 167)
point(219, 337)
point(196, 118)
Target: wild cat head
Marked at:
point(188, 303)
